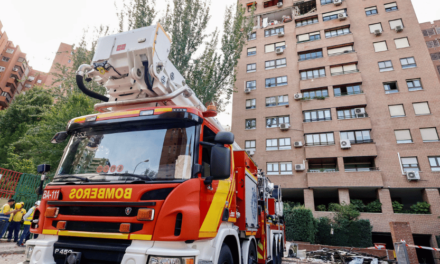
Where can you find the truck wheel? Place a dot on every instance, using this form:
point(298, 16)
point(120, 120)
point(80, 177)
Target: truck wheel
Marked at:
point(274, 254)
point(252, 256)
point(281, 252)
point(225, 255)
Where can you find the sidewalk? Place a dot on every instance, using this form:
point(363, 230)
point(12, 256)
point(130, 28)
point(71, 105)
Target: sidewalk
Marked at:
point(10, 248)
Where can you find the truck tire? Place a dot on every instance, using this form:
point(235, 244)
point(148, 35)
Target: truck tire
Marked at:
point(274, 253)
point(281, 251)
point(225, 255)
point(252, 255)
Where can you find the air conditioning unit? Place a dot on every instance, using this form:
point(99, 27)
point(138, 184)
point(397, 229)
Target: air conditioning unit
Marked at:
point(280, 50)
point(378, 32)
point(280, 4)
point(251, 152)
point(31, 78)
point(345, 144)
point(15, 69)
point(298, 144)
point(398, 28)
point(342, 16)
point(298, 96)
point(300, 167)
point(359, 111)
point(285, 127)
point(280, 34)
point(412, 175)
point(247, 90)
point(337, 2)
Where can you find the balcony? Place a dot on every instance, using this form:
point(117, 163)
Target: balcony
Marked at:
point(304, 8)
point(329, 102)
point(311, 45)
point(335, 125)
point(4, 102)
point(345, 179)
point(366, 149)
point(275, 18)
point(343, 58)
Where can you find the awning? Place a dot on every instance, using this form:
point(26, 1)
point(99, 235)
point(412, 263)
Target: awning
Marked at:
point(251, 3)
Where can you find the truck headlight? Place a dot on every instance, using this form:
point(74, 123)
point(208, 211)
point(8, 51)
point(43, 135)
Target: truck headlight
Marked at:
point(171, 260)
point(28, 252)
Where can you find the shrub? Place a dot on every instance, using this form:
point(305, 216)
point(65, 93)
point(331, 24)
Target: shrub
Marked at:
point(360, 234)
point(333, 207)
point(397, 207)
point(358, 205)
point(321, 207)
point(421, 208)
point(323, 228)
point(300, 224)
point(374, 207)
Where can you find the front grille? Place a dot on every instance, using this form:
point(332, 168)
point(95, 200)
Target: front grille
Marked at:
point(98, 211)
point(94, 250)
point(101, 227)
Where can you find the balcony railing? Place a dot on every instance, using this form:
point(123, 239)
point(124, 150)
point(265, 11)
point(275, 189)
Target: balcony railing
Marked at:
point(308, 120)
point(361, 141)
point(341, 53)
point(320, 143)
point(323, 170)
point(352, 117)
point(312, 77)
point(344, 72)
point(311, 58)
point(361, 169)
point(348, 93)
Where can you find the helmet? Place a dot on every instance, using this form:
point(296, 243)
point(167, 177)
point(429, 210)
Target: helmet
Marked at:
point(37, 203)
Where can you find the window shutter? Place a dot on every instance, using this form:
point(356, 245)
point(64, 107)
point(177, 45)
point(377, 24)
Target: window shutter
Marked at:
point(370, 8)
point(334, 13)
point(380, 46)
point(429, 134)
point(248, 103)
point(396, 110)
point(269, 48)
point(304, 37)
point(373, 27)
point(314, 33)
point(395, 23)
point(390, 5)
point(421, 108)
point(252, 49)
point(402, 134)
point(350, 67)
point(280, 44)
point(336, 69)
point(409, 161)
point(339, 50)
point(401, 43)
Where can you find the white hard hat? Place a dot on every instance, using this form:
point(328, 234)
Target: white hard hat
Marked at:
point(37, 203)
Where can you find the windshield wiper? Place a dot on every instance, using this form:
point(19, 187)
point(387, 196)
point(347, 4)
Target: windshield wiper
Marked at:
point(144, 177)
point(71, 176)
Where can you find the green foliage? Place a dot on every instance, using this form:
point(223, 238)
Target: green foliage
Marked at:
point(360, 233)
point(358, 205)
point(333, 207)
point(345, 212)
point(323, 228)
point(397, 207)
point(300, 224)
point(421, 208)
point(321, 207)
point(374, 207)
point(136, 14)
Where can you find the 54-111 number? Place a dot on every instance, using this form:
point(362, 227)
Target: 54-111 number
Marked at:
point(51, 194)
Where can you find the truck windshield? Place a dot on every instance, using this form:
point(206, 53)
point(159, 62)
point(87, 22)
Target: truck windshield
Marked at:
point(115, 154)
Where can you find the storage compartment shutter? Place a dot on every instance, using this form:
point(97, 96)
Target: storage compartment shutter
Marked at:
point(370, 8)
point(373, 27)
point(314, 33)
point(402, 135)
point(409, 161)
point(421, 108)
point(401, 43)
point(338, 69)
point(280, 44)
point(429, 134)
point(397, 110)
point(334, 13)
point(269, 48)
point(340, 50)
point(380, 46)
point(395, 23)
point(390, 5)
point(252, 49)
point(303, 37)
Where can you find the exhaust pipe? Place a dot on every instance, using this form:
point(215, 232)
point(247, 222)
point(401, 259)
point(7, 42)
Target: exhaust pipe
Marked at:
point(80, 82)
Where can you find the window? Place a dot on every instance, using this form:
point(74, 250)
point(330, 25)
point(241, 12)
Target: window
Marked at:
point(272, 47)
point(272, 64)
point(374, 27)
point(357, 137)
point(395, 23)
point(275, 168)
point(7, 95)
point(208, 136)
point(273, 31)
point(251, 85)
point(396, 110)
point(10, 51)
point(317, 115)
point(20, 60)
point(408, 63)
point(69, 61)
point(390, 87)
point(31, 78)
point(309, 55)
point(320, 139)
point(390, 7)
point(410, 164)
point(347, 90)
point(311, 94)
point(421, 108)
point(28, 85)
point(252, 36)
point(429, 134)
point(434, 162)
point(350, 113)
point(251, 123)
point(312, 74)
point(337, 32)
point(403, 136)
point(251, 104)
point(380, 46)
point(339, 50)
point(5, 59)
point(277, 100)
point(385, 66)
point(309, 37)
point(251, 51)
point(326, 2)
point(307, 21)
point(2, 69)
point(371, 11)
point(401, 43)
point(344, 69)
point(278, 81)
point(39, 81)
point(430, 32)
point(414, 85)
point(276, 121)
point(332, 15)
point(250, 144)
point(278, 144)
point(251, 67)
point(435, 56)
point(269, 3)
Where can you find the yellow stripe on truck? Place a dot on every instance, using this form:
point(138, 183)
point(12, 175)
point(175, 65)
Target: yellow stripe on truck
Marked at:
point(140, 237)
point(50, 232)
point(92, 234)
point(214, 215)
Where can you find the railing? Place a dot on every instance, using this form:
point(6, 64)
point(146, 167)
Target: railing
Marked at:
point(338, 35)
point(353, 117)
point(344, 72)
point(307, 120)
point(348, 93)
point(361, 169)
point(323, 170)
point(320, 143)
point(361, 141)
point(317, 57)
point(306, 24)
point(310, 40)
point(314, 77)
point(341, 53)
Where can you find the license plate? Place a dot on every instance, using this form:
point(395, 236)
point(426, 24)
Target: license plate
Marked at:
point(51, 194)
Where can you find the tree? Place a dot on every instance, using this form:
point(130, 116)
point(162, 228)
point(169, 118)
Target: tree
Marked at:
point(136, 14)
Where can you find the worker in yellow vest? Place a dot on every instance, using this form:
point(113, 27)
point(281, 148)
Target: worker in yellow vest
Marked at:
point(15, 221)
point(27, 218)
point(5, 214)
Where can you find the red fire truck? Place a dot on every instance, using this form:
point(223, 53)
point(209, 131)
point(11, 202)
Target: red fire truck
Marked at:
point(153, 178)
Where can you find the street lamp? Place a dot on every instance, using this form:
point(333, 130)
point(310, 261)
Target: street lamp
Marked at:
point(140, 163)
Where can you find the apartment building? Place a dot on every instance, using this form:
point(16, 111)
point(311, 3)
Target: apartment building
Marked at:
point(431, 32)
point(338, 100)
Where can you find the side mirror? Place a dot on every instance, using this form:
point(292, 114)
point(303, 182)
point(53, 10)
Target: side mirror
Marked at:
point(43, 168)
point(224, 138)
point(59, 137)
point(220, 162)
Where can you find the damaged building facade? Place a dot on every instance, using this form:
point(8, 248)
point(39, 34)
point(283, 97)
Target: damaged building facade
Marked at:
point(339, 100)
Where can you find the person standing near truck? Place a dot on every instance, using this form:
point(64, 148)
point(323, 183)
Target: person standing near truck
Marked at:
point(5, 214)
point(15, 221)
point(27, 218)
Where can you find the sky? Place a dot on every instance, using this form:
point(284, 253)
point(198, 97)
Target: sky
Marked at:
point(39, 27)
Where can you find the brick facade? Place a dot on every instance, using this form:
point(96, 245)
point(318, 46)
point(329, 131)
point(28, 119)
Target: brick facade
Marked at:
point(431, 32)
point(402, 231)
